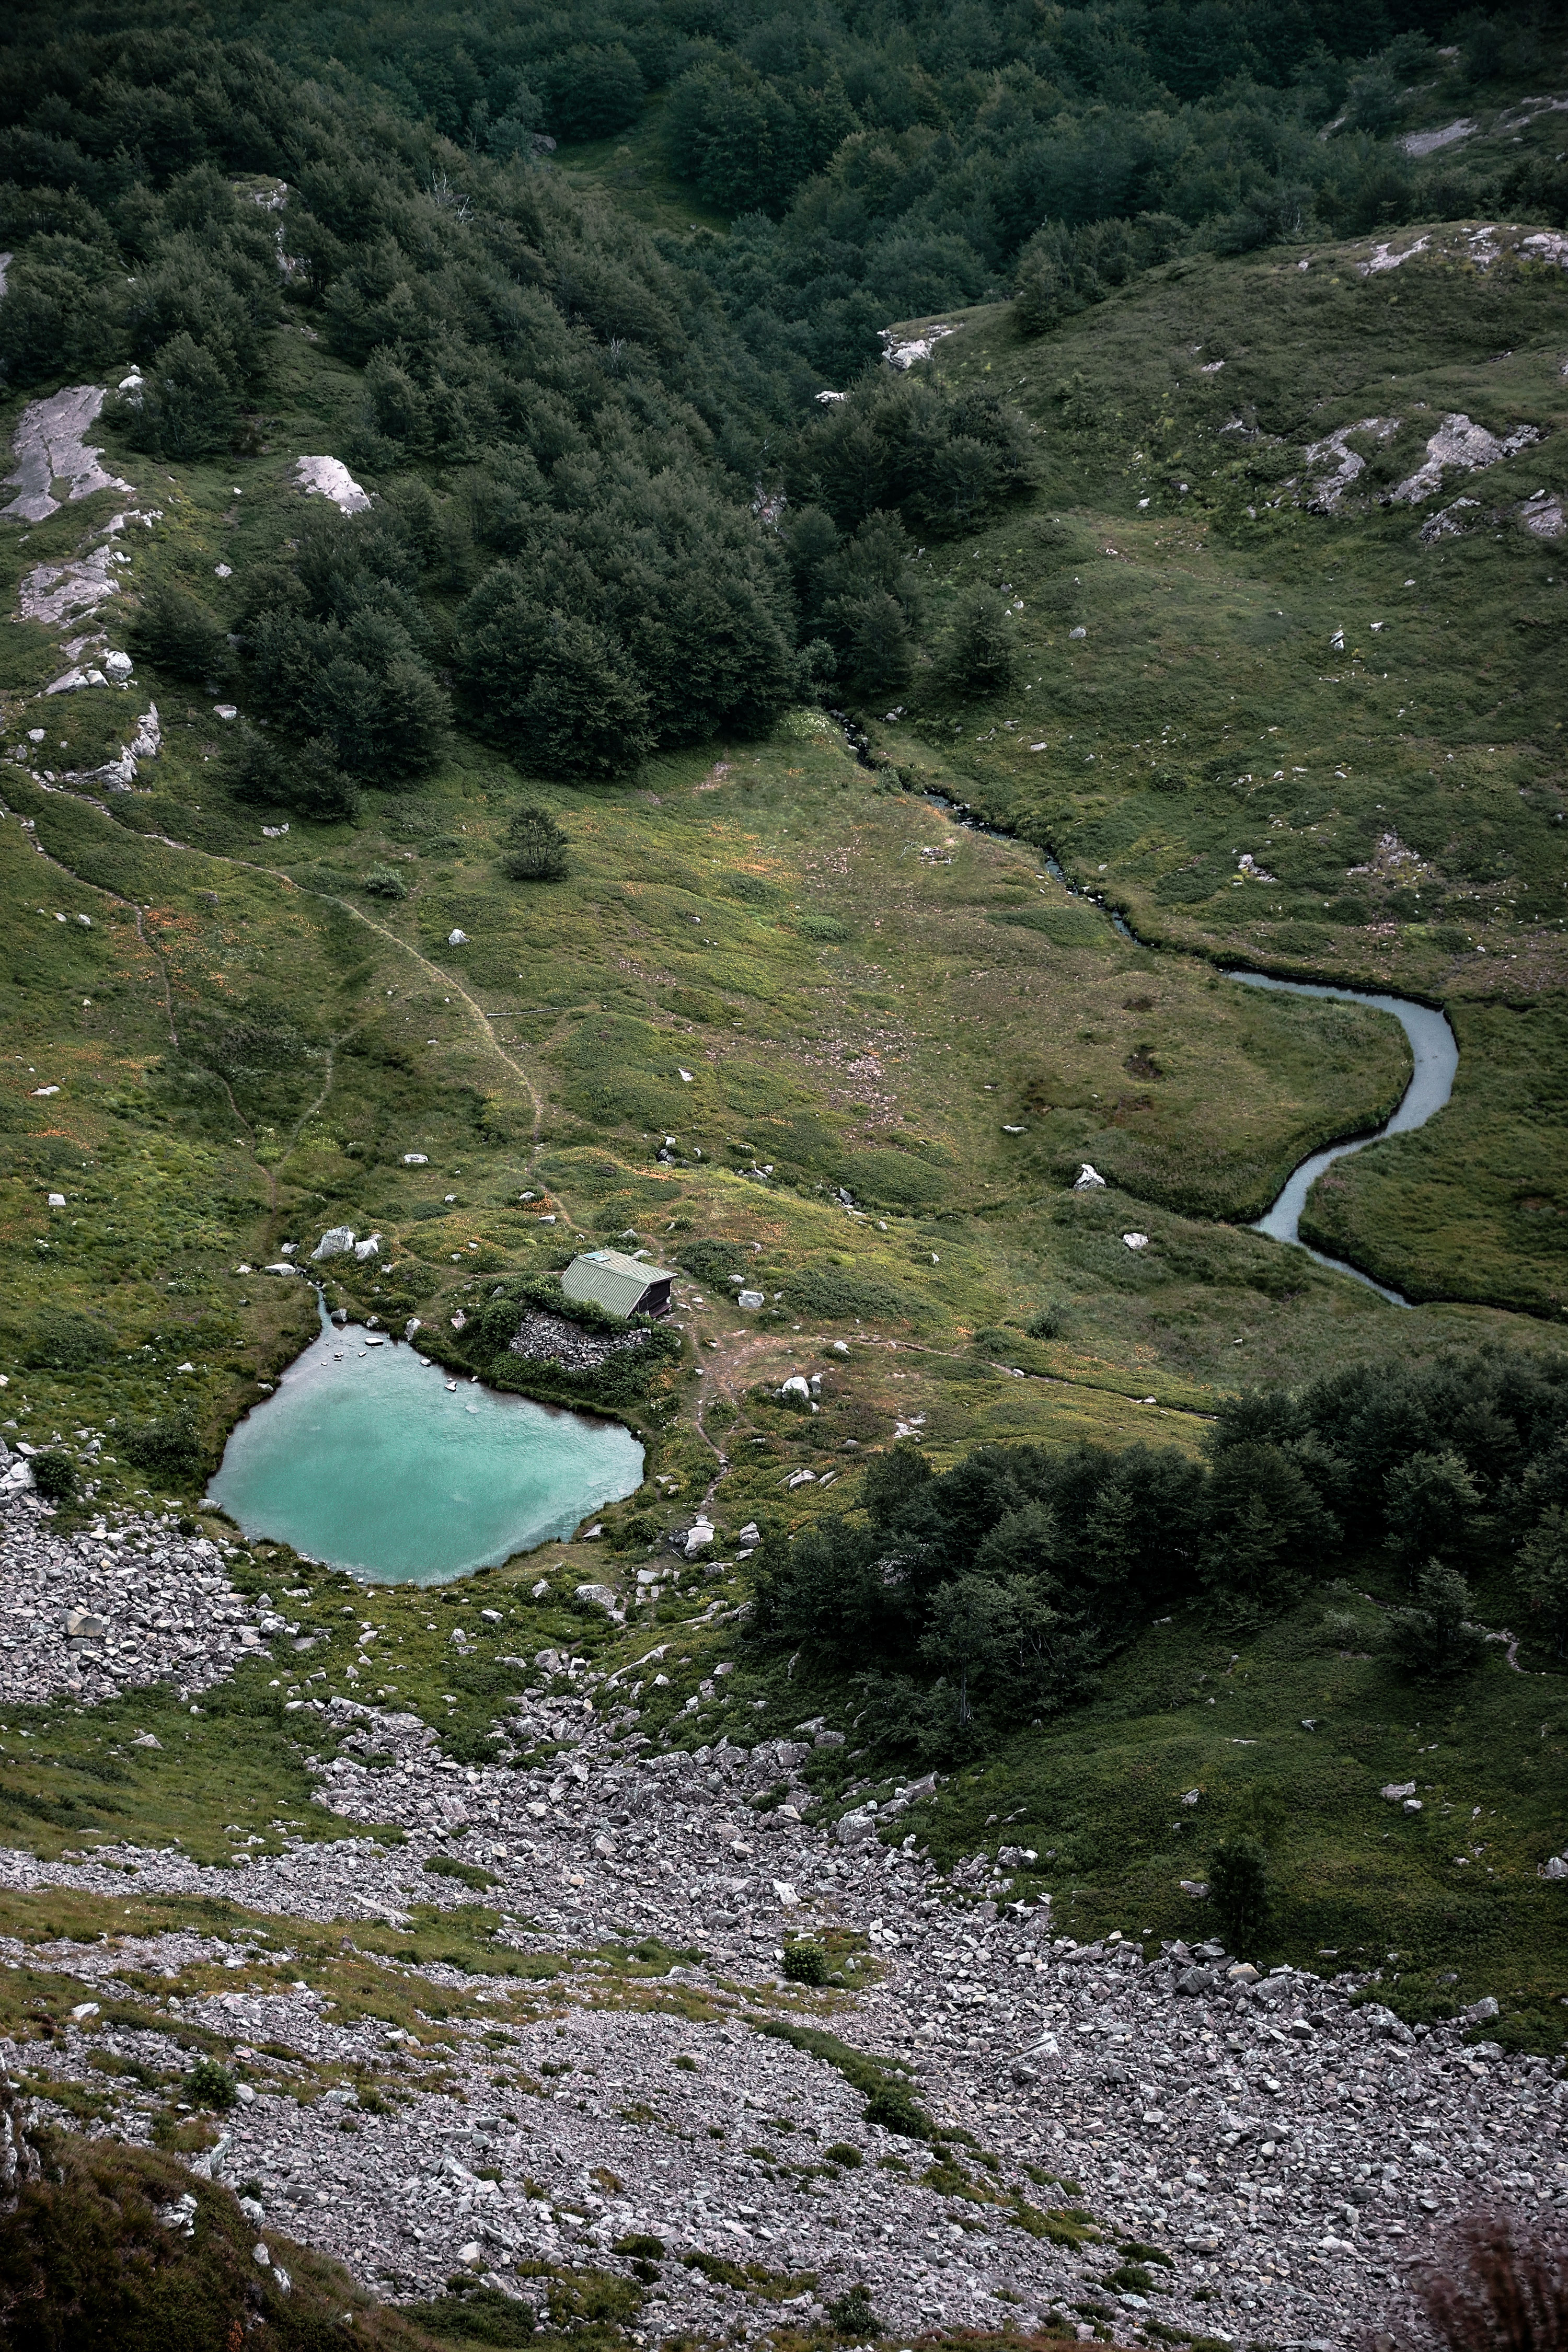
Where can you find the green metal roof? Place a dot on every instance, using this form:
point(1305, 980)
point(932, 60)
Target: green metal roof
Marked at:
point(612, 1280)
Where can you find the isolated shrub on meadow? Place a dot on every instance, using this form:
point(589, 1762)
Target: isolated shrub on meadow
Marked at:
point(535, 848)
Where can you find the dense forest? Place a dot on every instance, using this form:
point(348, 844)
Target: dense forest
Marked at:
point(574, 427)
point(972, 1600)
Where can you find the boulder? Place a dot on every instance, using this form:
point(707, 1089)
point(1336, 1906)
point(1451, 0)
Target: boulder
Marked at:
point(1088, 1180)
point(329, 478)
point(336, 1242)
point(600, 1596)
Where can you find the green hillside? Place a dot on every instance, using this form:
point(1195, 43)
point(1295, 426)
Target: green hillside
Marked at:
point(1397, 795)
point(1082, 586)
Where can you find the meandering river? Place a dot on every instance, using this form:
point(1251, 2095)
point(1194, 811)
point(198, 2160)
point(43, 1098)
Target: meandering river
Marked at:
point(1437, 1052)
point(1432, 1042)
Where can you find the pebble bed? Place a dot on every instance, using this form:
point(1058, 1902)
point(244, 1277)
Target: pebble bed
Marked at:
point(1288, 2154)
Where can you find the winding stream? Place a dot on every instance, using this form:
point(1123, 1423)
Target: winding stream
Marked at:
point(1432, 1042)
point(1437, 1052)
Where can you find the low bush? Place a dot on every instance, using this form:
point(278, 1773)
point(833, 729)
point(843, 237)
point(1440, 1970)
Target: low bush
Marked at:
point(54, 1474)
point(535, 847)
point(209, 2084)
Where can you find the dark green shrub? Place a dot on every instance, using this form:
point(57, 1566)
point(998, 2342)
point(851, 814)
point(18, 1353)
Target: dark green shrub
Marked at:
point(186, 407)
point(177, 633)
point(385, 882)
point(893, 2107)
point(303, 777)
point(806, 1964)
point(850, 2313)
point(446, 1865)
point(61, 1341)
point(591, 92)
point(1048, 1324)
point(54, 1474)
point(171, 1446)
point(980, 652)
point(209, 2084)
point(712, 1262)
point(1436, 1638)
point(1238, 1889)
point(536, 846)
point(836, 1294)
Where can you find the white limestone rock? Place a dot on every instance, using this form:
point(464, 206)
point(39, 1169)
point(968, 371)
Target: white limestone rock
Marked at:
point(329, 478)
point(49, 447)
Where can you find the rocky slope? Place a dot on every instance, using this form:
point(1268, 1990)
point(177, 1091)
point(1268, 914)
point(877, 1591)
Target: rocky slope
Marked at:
point(1256, 2154)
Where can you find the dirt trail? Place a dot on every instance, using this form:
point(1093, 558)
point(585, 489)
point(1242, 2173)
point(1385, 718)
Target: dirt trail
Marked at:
point(277, 874)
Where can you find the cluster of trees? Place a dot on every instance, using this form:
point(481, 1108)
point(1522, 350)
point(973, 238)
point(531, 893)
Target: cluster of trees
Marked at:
point(577, 431)
point(593, 581)
point(971, 1601)
point(879, 167)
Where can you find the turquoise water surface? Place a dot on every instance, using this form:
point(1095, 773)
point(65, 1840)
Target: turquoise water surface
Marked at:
point(370, 1460)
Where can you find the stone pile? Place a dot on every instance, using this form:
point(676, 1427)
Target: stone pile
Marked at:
point(88, 1615)
point(545, 1337)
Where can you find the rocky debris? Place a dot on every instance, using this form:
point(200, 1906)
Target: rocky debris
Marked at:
point(1333, 465)
point(1287, 2151)
point(605, 1597)
point(1429, 143)
point(59, 594)
point(1468, 447)
point(905, 355)
point(91, 1614)
point(1542, 514)
point(50, 448)
point(1447, 523)
point(546, 1339)
point(1385, 257)
point(329, 478)
point(1392, 861)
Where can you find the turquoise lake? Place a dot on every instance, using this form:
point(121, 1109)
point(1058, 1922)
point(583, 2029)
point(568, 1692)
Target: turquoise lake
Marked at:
point(370, 1460)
